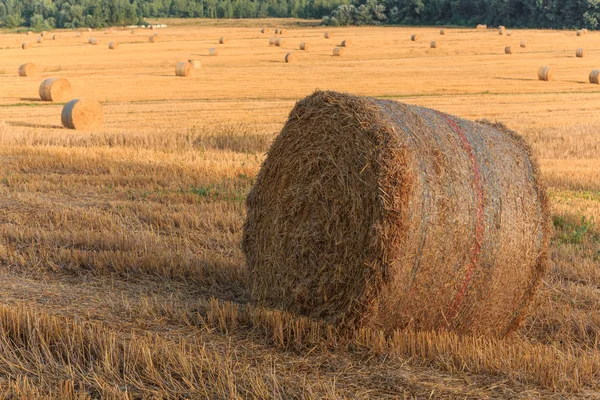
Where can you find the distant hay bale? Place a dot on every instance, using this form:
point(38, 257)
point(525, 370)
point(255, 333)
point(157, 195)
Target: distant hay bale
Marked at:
point(595, 76)
point(414, 38)
point(43, 33)
point(40, 39)
point(93, 41)
point(132, 31)
point(183, 69)
point(223, 40)
point(89, 29)
point(580, 53)
point(25, 45)
point(213, 51)
point(346, 43)
point(82, 114)
point(338, 51)
point(508, 33)
point(579, 33)
point(508, 50)
point(279, 42)
point(282, 31)
point(29, 33)
point(154, 39)
point(263, 30)
point(523, 43)
point(433, 44)
point(442, 31)
point(372, 213)
point(328, 35)
point(305, 46)
point(501, 31)
point(481, 26)
point(54, 37)
point(276, 31)
point(584, 31)
point(272, 41)
point(28, 69)
point(290, 58)
point(546, 73)
point(55, 89)
point(78, 34)
point(196, 64)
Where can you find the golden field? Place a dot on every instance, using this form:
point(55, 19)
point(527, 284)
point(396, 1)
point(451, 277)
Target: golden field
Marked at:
point(122, 275)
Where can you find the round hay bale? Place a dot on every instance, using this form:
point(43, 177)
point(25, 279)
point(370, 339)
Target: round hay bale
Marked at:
point(28, 69)
point(263, 30)
point(338, 51)
point(414, 38)
point(213, 52)
point(82, 114)
point(113, 45)
point(93, 41)
point(276, 31)
point(442, 31)
point(290, 57)
point(580, 53)
point(25, 45)
point(43, 33)
point(89, 29)
point(132, 31)
point(40, 39)
point(523, 43)
point(272, 41)
point(282, 31)
point(29, 33)
point(279, 42)
point(223, 40)
point(183, 69)
point(584, 31)
point(54, 37)
point(55, 89)
point(595, 76)
point(346, 43)
point(154, 39)
point(196, 64)
point(546, 73)
point(328, 35)
point(481, 26)
point(433, 44)
point(78, 34)
point(305, 46)
point(507, 50)
point(579, 33)
point(373, 213)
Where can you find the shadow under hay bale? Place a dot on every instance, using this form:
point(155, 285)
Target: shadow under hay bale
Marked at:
point(370, 212)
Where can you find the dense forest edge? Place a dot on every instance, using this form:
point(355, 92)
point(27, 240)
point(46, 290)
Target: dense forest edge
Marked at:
point(560, 14)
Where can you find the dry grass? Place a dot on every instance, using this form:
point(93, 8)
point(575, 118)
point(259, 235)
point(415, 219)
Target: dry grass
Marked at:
point(124, 243)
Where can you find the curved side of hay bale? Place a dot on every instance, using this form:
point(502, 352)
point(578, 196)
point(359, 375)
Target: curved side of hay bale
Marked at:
point(546, 73)
point(25, 45)
point(304, 46)
point(55, 89)
point(223, 40)
point(338, 51)
point(433, 44)
point(213, 52)
point(290, 57)
point(508, 50)
point(196, 64)
point(414, 38)
point(272, 41)
point(580, 53)
point(28, 69)
point(405, 217)
point(346, 43)
point(279, 42)
point(183, 69)
point(523, 43)
point(595, 76)
point(113, 45)
point(82, 114)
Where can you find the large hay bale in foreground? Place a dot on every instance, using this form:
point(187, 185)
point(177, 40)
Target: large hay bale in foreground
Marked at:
point(55, 89)
point(183, 69)
point(545, 73)
point(370, 212)
point(595, 76)
point(304, 46)
point(28, 69)
point(113, 45)
point(580, 53)
point(82, 114)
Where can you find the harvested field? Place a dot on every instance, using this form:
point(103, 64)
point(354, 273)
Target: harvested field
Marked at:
point(122, 270)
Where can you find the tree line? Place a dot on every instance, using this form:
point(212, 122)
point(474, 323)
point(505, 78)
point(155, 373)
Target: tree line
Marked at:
point(49, 14)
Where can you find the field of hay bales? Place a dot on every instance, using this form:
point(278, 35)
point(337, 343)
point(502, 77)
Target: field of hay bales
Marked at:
point(122, 272)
